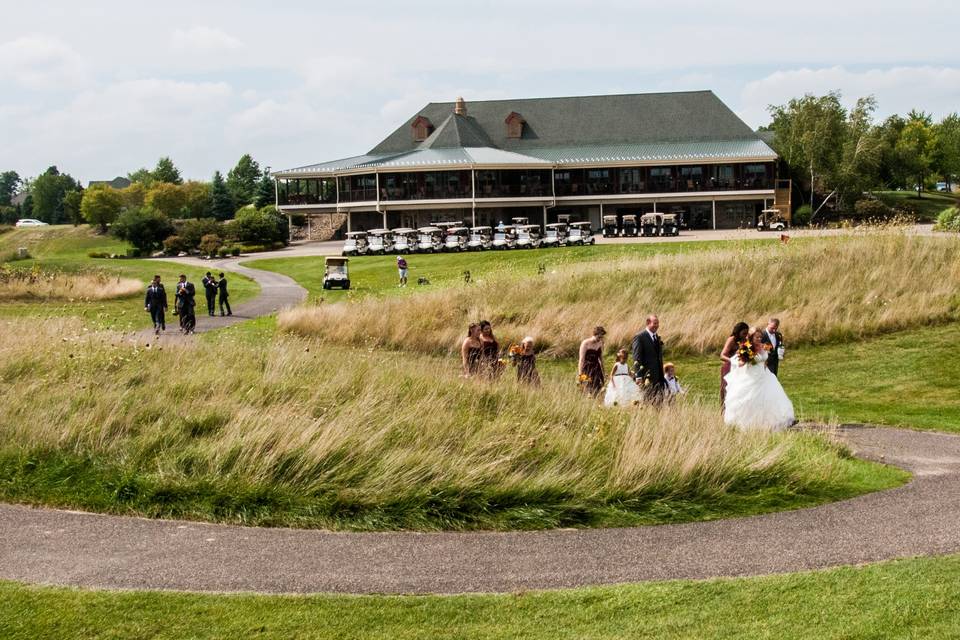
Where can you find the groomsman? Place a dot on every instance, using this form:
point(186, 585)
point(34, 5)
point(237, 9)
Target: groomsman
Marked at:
point(224, 295)
point(210, 289)
point(648, 360)
point(186, 305)
point(774, 338)
point(156, 304)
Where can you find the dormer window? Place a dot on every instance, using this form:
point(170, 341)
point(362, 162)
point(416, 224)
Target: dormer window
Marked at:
point(422, 128)
point(514, 125)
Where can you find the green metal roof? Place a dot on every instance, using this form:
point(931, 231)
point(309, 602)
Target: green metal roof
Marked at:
point(656, 152)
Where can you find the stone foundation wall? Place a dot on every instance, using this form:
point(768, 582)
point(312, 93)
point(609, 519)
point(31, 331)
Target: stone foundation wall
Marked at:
point(322, 226)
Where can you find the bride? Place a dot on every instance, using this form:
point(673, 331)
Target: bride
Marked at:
point(755, 399)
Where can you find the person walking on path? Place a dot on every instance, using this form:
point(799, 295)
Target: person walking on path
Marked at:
point(772, 336)
point(402, 269)
point(186, 305)
point(156, 303)
point(648, 361)
point(210, 289)
point(224, 295)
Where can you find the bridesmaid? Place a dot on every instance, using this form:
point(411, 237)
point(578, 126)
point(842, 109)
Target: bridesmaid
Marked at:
point(591, 361)
point(527, 364)
point(489, 352)
point(740, 332)
point(470, 351)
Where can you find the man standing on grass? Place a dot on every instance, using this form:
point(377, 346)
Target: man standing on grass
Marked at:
point(402, 269)
point(648, 361)
point(210, 289)
point(156, 304)
point(224, 295)
point(772, 336)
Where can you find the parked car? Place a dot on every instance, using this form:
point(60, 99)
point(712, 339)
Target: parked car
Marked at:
point(457, 238)
point(610, 228)
point(404, 240)
point(430, 239)
point(629, 226)
point(650, 224)
point(380, 242)
point(356, 244)
point(335, 273)
point(505, 238)
point(555, 235)
point(670, 225)
point(30, 222)
point(580, 233)
point(481, 238)
point(529, 237)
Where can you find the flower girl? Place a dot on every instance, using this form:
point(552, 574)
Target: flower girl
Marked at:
point(622, 390)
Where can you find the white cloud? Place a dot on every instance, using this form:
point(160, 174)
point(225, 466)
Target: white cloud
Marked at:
point(200, 39)
point(897, 89)
point(42, 62)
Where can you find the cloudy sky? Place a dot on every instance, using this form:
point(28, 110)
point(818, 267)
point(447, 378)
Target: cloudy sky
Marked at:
point(100, 88)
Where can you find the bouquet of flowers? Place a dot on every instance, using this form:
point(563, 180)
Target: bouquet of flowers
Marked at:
point(746, 354)
point(514, 353)
point(583, 379)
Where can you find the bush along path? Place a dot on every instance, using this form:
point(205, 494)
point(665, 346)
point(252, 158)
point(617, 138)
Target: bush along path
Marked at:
point(111, 552)
point(277, 291)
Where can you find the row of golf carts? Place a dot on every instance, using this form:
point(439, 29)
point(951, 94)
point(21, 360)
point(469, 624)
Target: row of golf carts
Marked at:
point(651, 224)
point(453, 236)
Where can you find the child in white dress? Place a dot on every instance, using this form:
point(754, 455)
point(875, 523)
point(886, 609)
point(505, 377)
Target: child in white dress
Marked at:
point(622, 389)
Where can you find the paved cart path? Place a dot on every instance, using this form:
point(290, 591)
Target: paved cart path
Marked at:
point(920, 518)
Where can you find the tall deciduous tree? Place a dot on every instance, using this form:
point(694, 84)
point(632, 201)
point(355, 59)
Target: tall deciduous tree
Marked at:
point(72, 206)
point(101, 205)
point(916, 147)
point(947, 152)
point(142, 176)
point(196, 199)
point(167, 198)
point(166, 171)
point(48, 193)
point(221, 204)
point(856, 172)
point(9, 183)
point(242, 181)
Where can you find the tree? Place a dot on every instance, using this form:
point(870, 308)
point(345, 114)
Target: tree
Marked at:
point(9, 182)
point(167, 198)
point(166, 171)
point(134, 196)
point(221, 204)
point(915, 147)
point(947, 148)
point(242, 180)
point(72, 206)
point(196, 199)
point(260, 226)
point(48, 193)
point(891, 169)
point(101, 205)
point(142, 176)
point(26, 209)
point(856, 171)
point(266, 193)
point(144, 228)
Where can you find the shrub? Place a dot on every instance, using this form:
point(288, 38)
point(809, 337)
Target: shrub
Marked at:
point(872, 209)
point(134, 253)
point(234, 251)
point(193, 231)
point(949, 220)
point(144, 228)
point(8, 215)
point(259, 227)
point(175, 244)
point(257, 248)
point(210, 244)
point(224, 252)
point(99, 254)
point(801, 217)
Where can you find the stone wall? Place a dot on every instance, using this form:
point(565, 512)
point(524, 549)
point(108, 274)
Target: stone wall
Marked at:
point(322, 226)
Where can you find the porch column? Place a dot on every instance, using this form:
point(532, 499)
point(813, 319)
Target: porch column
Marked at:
point(349, 224)
point(309, 226)
point(714, 211)
point(290, 227)
point(384, 218)
point(545, 217)
point(473, 215)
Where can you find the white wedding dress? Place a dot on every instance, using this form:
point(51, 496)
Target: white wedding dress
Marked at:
point(755, 399)
point(622, 390)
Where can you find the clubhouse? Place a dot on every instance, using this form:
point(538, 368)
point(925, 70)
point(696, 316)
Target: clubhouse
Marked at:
point(550, 159)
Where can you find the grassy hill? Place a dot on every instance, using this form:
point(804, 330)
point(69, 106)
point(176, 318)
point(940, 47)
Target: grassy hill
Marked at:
point(925, 208)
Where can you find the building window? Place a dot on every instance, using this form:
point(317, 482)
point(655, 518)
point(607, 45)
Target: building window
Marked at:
point(691, 178)
point(514, 123)
point(422, 128)
point(631, 181)
point(661, 179)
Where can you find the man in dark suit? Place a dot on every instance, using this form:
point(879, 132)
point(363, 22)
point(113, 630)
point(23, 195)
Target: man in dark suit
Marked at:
point(224, 295)
point(648, 360)
point(156, 304)
point(210, 289)
point(186, 305)
point(774, 338)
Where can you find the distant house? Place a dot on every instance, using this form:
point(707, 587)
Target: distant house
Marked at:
point(116, 183)
point(19, 199)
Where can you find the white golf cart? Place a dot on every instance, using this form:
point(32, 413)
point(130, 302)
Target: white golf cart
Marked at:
point(650, 224)
point(529, 237)
point(457, 238)
point(770, 220)
point(505, 238)
point(335, 273)
point(404, 240)
point(629, 226)
point(580, 233)
point(356, 244)
point(555, 234)
point(519, 222)
point(670, 225)
point(380, 242)
point(430, 239)
point(481, 238)
point(610, 228)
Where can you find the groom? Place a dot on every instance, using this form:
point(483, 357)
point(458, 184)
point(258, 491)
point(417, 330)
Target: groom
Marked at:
point(774, 338)
point(648, 360)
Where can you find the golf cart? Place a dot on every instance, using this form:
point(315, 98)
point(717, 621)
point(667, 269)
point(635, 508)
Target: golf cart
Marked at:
point(505, 238)
point(610, 229)
point(356, 244)
point(580, 233)
point(430, 239)
point(770, 220)
point(650, 224)
point(404, 240)
point(380, 242)
point(446, 226)
point(481, 238)
point(529, 237)
point(457, 238)
point(555, 235)
point(335, 273)
point(670, 225)
point(629, 226)
point(520, 222)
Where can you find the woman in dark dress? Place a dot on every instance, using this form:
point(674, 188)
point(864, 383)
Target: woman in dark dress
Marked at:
point(470, 351)
point(527, 364)
point(738, 335)
point(490, 364)
point(590, 367)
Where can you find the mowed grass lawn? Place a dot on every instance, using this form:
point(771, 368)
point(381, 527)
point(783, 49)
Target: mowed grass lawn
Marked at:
point(904, 599)
point(66, 248)
point(926, 208)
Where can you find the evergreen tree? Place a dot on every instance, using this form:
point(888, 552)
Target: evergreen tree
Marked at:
point(9, 181)
point(166, 171)
point(242, 181)
point(221, 204)
point(49, 191)
point(266, 193)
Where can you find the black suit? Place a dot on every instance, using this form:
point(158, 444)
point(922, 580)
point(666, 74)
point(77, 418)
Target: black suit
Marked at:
point(224, 296)
point(210, 288)
point(156, 303)
point(185, 296)
point(648, 364)
point(773, 358)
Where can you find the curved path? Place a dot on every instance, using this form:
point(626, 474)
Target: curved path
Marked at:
point(920, 518)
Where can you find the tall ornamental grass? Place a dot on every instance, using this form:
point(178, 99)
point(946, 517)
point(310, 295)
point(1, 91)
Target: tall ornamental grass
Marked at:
point(35, 284)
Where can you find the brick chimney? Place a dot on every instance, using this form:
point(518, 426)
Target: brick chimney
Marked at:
point(460, 107)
